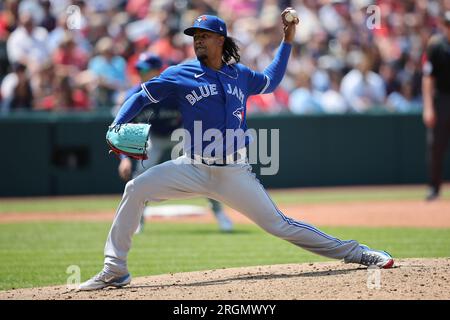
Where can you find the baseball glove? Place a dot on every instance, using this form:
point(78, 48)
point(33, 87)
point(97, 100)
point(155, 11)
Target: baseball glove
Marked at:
point(129, 139)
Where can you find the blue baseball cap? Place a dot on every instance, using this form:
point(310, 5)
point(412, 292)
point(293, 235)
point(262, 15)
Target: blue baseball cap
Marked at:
point(208, 23)
point(148, 61)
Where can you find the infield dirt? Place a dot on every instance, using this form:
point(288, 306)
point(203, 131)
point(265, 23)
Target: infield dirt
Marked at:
point(409, 279)
point(400, 213)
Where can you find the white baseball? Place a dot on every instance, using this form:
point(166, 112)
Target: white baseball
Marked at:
point(290, 15)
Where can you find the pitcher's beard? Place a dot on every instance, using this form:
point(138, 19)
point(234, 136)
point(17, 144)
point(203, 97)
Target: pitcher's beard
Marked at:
point(202, 56)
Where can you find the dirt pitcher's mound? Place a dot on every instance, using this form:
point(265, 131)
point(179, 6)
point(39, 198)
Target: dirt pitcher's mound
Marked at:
point(410, 279)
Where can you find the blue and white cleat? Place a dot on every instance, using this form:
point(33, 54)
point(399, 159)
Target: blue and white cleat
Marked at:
point(105, 279)
point(371, 257)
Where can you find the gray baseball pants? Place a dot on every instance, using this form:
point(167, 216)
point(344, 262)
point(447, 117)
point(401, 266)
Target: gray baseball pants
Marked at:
point(236, 186)
point(157, 146)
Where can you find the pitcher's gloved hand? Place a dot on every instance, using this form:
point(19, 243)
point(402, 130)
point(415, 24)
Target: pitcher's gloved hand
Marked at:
point(129, 139)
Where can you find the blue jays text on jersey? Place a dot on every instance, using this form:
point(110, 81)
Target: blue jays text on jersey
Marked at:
point(217, 98)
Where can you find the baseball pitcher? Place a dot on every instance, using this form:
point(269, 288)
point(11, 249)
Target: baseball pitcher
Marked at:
point(212, 90)
point(164, 119)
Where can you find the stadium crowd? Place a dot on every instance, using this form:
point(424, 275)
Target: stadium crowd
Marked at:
point(80, 54)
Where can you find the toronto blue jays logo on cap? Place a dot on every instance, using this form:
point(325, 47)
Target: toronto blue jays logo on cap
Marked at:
point(208, 23)
point(201, 18)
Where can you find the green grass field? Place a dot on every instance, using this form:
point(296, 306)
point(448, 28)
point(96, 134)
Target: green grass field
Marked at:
point(92, 203)
point(38, 254)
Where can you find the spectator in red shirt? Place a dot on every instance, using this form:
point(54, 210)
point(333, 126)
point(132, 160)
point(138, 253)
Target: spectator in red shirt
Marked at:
point(66, 96)
point(69, 97)
point(69, 56)
point(169, 47)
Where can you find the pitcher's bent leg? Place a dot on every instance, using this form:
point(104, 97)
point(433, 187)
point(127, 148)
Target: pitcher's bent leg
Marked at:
point(161, 182)
point(125, 222)
point(242, 191)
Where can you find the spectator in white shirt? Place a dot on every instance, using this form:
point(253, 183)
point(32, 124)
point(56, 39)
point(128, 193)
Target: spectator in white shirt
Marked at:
point(362, 88)
point(304, 100)
point(404, 101)
point(331, 100)
point(27, 44)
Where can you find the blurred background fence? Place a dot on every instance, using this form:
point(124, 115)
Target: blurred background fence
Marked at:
point(66, 153)
point(348, 107)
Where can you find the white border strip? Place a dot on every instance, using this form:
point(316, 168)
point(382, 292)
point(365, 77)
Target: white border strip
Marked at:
point(266, 86)
point(149, 96)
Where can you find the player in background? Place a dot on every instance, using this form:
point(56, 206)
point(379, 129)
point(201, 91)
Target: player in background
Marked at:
point(164, 119)
point(436, 104)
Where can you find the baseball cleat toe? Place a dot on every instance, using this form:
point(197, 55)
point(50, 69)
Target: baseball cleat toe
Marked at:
point(105, 279)
point(381, 259)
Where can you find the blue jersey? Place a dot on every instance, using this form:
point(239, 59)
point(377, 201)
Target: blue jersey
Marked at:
point(217, 98)
point(163, 116)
